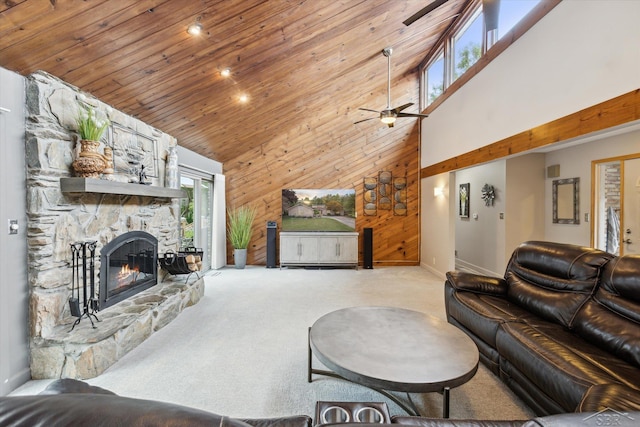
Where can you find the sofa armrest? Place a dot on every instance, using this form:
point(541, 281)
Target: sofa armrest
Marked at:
point(617, 397)
point(292, 421)
point(477, 283)
point(411, 421)
point(68, 385)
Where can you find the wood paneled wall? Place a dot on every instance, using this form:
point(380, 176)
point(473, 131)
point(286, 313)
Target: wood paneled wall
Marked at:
point(332, 152)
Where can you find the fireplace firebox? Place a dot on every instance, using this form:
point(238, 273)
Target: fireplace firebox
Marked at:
point(128, 265)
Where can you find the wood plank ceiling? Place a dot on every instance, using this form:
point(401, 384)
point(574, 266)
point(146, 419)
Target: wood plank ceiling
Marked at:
point(306, 67)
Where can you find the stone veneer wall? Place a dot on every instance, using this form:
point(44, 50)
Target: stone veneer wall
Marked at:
point(57, 219)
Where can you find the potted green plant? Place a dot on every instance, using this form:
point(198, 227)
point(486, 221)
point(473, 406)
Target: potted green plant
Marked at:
point(89, 162)
point(239, 232)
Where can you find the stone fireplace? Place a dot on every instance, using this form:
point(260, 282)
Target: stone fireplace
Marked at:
point(62, 210)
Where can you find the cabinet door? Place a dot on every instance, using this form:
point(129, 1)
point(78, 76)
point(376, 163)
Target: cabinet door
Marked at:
point(308, 249)
point(339, 249)
point(329, 249)
point(289, 249)
point(347, 249)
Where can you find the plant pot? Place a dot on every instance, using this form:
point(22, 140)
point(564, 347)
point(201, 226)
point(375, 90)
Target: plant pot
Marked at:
point(240, 258)
point(90, 163)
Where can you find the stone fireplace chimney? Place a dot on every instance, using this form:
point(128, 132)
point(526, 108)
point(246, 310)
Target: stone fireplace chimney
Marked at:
point(58, 217)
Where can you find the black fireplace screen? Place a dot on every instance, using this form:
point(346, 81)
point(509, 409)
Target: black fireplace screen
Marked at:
point(128, 265)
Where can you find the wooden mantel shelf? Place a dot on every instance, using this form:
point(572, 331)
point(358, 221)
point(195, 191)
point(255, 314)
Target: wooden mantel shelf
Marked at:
point(91, 185)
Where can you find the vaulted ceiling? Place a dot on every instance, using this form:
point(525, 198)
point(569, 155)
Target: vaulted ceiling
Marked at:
point(305, 65)
point(301, 62)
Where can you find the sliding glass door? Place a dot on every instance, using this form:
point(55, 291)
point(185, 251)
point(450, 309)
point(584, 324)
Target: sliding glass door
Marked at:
point(196, 220)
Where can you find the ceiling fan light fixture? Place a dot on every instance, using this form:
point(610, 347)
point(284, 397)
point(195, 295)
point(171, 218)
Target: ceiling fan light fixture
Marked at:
point(387, 117)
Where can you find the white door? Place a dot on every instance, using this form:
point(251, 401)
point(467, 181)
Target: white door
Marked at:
point(630, 220)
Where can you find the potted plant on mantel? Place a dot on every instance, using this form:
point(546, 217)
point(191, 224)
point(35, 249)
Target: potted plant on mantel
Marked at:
point(239, 232)
point(89, 163)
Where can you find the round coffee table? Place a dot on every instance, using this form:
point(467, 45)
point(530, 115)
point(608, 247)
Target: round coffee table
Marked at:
point(393, 349)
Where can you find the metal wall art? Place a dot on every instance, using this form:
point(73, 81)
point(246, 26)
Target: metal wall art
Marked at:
point(133, 152)
point(370, 196)
point(488, 194)
point(400, 196)
point(385, 193)
point(385, 190)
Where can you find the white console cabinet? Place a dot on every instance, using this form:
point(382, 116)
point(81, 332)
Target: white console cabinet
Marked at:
point(318, 248)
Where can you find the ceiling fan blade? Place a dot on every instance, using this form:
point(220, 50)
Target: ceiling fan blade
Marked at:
point(412, 115)
point(402, 107)
point(424, 11)
point(369, 109)
point(364, 120)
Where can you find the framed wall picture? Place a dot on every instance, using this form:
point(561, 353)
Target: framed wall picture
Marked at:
point(463, 200)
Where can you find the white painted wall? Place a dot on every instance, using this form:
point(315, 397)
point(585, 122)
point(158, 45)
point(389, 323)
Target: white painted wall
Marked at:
point(477, 237)
point(575, 162)
point(525, 204)
point(438, 238)
point(14, 292)
point(580, 54)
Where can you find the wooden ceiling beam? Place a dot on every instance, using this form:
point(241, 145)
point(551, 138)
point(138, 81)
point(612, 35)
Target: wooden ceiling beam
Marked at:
point(608, 114)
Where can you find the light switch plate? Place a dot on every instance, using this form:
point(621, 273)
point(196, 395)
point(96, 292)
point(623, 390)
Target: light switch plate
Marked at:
point(13, 226)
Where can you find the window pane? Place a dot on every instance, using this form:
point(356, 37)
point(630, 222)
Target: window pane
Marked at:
point(435, 80)
point(206, 222)
point(467, 46)
point(186, 212)
point(511, 12)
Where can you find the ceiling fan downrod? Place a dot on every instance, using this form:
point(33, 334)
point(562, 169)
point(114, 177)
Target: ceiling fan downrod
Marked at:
point(387, 51)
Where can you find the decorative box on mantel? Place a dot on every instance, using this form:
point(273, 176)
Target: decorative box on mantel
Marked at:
point(91, 185)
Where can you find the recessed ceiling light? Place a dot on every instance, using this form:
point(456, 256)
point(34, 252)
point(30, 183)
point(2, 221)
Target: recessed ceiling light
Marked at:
point(225, 73)
point(243, 98)
point(194, 29)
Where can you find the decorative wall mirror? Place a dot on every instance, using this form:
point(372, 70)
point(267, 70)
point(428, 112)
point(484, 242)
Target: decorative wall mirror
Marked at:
point(566, 201)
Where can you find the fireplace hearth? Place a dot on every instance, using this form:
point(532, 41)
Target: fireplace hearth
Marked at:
point(128, 265)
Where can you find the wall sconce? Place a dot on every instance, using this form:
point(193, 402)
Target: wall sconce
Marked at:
point(194, 29)
point(438, 191)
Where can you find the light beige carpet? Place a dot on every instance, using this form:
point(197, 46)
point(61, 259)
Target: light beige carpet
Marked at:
point(242, 350)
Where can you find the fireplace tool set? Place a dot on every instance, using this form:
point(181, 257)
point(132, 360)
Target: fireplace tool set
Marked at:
point(85, 264)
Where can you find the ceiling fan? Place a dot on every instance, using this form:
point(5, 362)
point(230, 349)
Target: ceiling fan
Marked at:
point(389, 115)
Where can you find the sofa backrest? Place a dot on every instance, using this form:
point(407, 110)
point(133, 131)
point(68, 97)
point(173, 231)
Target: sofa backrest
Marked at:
point(611, 319)
point(553, 280)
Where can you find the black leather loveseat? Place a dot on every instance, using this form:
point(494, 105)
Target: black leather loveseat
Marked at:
point(562, 328)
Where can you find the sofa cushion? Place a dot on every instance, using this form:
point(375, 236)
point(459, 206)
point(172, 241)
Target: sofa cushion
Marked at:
point(611, 320)
point(560, 363)
point(553, 280)
point(481, 313)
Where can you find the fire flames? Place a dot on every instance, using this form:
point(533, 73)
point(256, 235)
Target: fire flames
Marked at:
point(127, 275)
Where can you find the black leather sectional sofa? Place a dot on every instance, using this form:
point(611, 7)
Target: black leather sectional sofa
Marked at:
point(561, 328)
point(73, 403)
